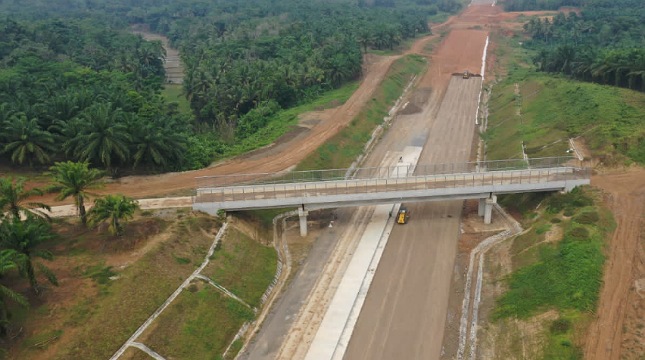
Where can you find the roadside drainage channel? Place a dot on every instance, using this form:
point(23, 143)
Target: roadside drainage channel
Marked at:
point(335, 331)
point(470, 305)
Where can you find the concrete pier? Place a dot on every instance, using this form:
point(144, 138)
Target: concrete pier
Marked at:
point(488, 211)
point(302, 214)
point(482, 207)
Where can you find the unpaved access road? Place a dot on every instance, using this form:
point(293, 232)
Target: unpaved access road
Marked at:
point(617, 332)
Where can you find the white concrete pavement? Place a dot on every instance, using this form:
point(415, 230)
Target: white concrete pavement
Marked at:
point(333, 335)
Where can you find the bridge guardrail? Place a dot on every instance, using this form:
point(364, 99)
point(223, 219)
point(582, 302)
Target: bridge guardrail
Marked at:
point(398, 170)
point(383, 184)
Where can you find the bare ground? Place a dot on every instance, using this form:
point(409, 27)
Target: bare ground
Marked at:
point(618, 331)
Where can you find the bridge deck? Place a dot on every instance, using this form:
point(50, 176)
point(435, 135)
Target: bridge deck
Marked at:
point(395, 189)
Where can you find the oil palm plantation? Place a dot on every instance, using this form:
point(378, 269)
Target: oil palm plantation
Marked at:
point(74, 179)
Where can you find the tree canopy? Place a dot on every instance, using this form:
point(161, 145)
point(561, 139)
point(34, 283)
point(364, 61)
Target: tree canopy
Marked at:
point(604, 44)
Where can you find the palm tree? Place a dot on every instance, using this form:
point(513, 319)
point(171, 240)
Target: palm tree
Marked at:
point(13, 195)
point(7, 264)
point(24, 237)
point(26, 141)
point(74, 179)
point(104, 137)
point(113, 208)
point(157, 143)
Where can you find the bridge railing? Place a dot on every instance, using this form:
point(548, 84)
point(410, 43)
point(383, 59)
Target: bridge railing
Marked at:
point(392, 184)
point(399, 170)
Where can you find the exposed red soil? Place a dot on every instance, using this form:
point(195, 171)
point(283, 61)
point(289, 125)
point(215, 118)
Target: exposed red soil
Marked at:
point(617, 331)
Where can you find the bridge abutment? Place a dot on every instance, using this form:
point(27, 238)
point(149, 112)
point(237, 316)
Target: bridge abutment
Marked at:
point(302, 214)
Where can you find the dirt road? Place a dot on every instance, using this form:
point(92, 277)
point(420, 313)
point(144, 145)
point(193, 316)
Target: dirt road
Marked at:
point(617, 330)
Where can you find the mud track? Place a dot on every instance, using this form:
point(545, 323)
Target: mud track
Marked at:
point(617, 331)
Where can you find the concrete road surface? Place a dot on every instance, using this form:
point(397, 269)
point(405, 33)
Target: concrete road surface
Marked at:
point(404, 314)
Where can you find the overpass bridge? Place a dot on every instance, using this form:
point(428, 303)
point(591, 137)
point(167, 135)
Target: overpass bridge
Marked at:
point(311, 190)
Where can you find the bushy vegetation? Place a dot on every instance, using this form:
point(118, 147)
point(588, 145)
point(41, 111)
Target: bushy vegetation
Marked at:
point(604, 44)
point(565, 276)
point(571, 200)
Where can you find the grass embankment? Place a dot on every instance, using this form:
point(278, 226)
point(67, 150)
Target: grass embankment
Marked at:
point(98, 306)
point(243, 267)
point(341, 150)
point(548, 110)
point(107, 289)
point(199, 324)
point(202, 322)
point(558, 265)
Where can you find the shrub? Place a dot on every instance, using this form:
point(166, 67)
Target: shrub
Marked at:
point(542, 229)
point(576, 198)
point(569, 212)
point(588, 217)
point(560, 326)
point(579, 233)
point(556, 221)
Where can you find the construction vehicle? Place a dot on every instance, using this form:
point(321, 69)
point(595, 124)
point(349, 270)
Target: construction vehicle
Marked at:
point(466, 74)
point(403, 215)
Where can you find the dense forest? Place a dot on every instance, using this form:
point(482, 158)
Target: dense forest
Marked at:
point(604, 44)
point(77, 85)
point(522, 5)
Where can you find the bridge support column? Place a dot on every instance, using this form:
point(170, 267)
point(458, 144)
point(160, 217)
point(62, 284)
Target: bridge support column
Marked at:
point(488, 211)
point(482, 207)
point(302, 214)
